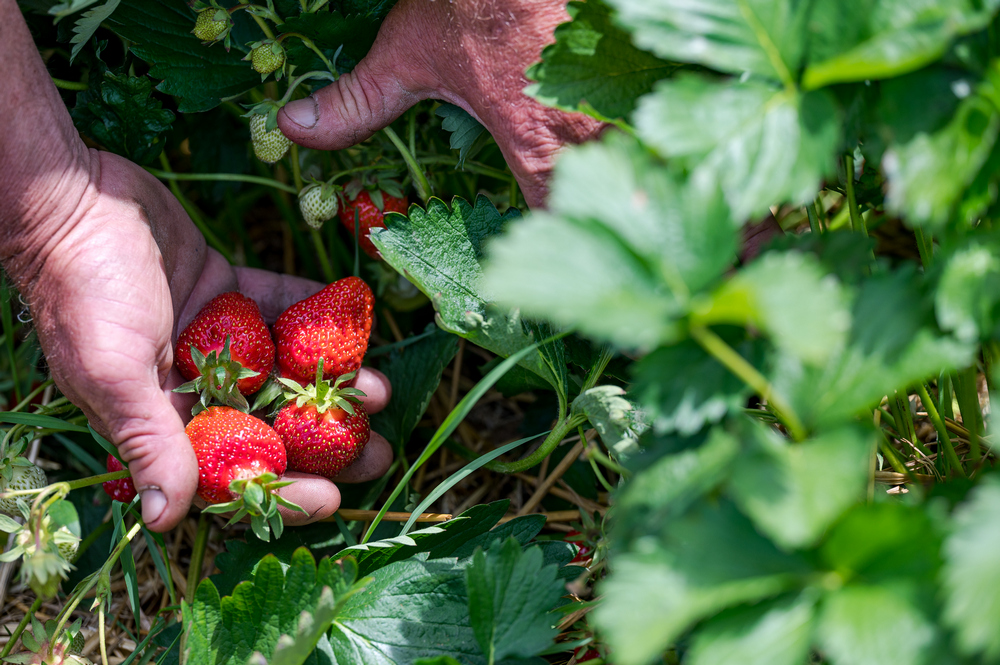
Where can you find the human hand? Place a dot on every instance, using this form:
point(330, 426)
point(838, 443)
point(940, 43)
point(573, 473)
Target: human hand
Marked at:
point(472, 54)
point(274, 293)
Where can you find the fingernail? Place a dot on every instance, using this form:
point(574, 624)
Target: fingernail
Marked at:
point(303, 112)
point(154, 502)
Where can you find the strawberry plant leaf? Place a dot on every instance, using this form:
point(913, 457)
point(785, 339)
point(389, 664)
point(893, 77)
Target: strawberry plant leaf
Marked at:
point(522, 529)
point(467, 135)
point(790, 297)
point(709, 559)
point(634, 244)
point(972, 572)
point(230, 629)
point(756, 36)
point(860, 40)
point(671, 484)
point(799, 504)
point(440, 249)
point(853, 622)
point(772, 633)
point(966, 298)
point(682, 388)
point(613, 416)
point(119, 112)
point(87, 25)
point(893, 342)
point(511, 595)
point(200, 76)
point(927, 175)
point(762, 143)
point(881, 542)
point(593, 66)
point(438, 541)
point(411, 609)
point(414, 372)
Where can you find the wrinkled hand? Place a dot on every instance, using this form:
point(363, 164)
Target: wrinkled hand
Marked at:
point(472, 54)
point(124, 275)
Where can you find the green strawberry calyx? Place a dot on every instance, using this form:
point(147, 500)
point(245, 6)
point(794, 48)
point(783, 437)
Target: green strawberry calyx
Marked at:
point(375, 184)
point(257, 498)
point(217, 383)
point(322, 394)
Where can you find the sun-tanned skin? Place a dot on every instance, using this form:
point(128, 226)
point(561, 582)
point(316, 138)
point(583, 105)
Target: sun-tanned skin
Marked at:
point(113, 268)
point(470, 53)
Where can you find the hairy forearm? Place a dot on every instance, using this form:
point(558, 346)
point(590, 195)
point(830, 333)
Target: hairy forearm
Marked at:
point(44, 166)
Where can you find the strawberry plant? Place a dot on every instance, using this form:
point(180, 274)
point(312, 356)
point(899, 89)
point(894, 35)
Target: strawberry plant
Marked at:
point(781, 459)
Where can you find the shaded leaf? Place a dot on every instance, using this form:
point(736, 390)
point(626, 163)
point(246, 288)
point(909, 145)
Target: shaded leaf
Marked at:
point(593, 66)
point(119, 112)
point(200, 76)
point(511, 595)
point(466, 134)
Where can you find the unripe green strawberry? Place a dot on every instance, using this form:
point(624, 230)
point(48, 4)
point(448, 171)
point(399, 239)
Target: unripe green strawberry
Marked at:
point(25, 476)
point(212, 24)
point(269, 146)
point(318, 203)
point(68, 544)
point(266, 56)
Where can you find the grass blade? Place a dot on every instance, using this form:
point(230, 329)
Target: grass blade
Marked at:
point(459, 475)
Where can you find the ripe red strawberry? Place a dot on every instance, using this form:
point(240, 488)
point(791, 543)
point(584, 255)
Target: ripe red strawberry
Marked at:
point(239, 461)
point(221, 373)
point(122, 489)
point(324, 427)
point(333, 324)
point(371, 205)
point(584, 550)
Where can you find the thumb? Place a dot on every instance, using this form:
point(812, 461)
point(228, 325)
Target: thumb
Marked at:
point(357, 105)
point(150, 437)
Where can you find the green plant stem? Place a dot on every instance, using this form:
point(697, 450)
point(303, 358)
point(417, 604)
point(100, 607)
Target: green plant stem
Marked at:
point(419, 179)
point(593, 462)
point(81, 591)
point(890, 454)
point(747, 373)
point(298, 80)
point(32, 395)
point(264, 27)
point(197, 557)
point(967, 395)
point(608, 463)
point(312, 47)
point(25, 620)
point(96, 480)
point(857, 223)
point(471, 167)
point(223, 177)
point(562, 428)
point(69, 85)
point(925, 245)
point(194, 213)
point(813, 220)
point(944, 438)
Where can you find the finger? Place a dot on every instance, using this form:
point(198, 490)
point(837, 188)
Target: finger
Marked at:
point(363, 101)
point(149, 435)
point(274, 292)
point(319, 497)
point(376, 387)
point(376, 457)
